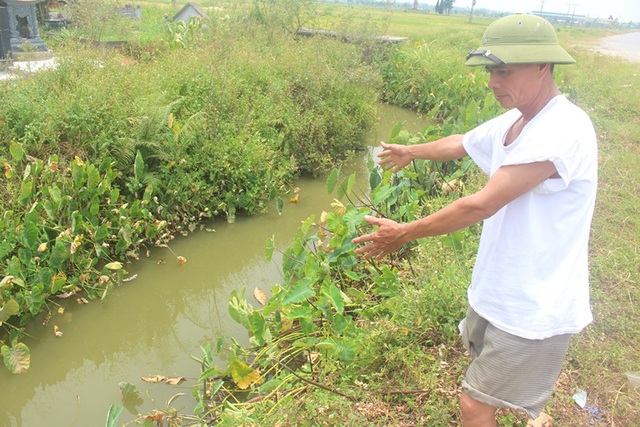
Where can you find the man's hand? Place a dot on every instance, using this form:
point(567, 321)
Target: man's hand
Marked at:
point(387, 238)
point(394, 156)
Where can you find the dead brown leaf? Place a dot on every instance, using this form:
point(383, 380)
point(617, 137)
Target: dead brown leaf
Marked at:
point(156, 416)
point(163, 379)
point(544, 420)
point(260, 296)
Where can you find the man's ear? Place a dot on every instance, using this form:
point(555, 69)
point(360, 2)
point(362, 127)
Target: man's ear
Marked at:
point(543, 66)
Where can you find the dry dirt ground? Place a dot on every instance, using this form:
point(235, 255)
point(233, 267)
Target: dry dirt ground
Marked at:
point(624, 45)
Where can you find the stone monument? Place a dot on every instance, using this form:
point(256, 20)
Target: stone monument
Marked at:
point(19, 20)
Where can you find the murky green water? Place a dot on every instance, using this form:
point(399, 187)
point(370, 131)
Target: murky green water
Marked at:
point(155, 323)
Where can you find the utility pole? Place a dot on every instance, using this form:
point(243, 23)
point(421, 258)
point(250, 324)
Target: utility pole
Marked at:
point(473, 3)
point(541, 7)
point(569, 14)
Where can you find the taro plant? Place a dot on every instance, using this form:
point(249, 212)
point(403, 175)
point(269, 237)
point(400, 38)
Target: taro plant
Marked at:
point(307, 328)
point(58, 244)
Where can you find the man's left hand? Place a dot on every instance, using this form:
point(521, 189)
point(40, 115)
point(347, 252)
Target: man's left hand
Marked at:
point(387, 238)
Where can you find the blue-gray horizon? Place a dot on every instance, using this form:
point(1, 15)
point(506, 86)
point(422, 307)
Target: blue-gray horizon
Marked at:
point(622, 10)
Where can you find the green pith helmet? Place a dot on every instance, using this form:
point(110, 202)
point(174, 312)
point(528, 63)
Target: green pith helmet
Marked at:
point(519, 39)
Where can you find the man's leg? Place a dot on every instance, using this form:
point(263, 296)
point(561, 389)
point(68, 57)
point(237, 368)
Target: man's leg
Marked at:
point(475, 413)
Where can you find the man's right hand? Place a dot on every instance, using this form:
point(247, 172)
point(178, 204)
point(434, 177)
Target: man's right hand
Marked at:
point(394, 156)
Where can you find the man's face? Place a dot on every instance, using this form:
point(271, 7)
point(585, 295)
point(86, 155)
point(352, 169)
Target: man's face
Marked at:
point(516, 85)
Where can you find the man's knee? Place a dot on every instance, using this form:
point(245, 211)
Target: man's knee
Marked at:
point(475, 413)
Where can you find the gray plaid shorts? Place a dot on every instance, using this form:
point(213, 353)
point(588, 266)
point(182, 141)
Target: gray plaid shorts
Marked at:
point(508, 371)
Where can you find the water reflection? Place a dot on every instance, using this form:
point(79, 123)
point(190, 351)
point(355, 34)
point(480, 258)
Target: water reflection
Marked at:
point(154, 324)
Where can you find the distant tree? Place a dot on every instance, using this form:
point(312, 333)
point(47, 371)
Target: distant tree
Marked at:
point(443, 6)
point(446, 5)
point(415, 4)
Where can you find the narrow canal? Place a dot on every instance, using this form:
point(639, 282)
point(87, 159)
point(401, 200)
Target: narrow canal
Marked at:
point(154, 324)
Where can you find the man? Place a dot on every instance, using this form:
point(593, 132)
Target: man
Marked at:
point(529, 288)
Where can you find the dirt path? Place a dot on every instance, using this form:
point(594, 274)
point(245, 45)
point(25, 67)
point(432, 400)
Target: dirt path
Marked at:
point(624, 45)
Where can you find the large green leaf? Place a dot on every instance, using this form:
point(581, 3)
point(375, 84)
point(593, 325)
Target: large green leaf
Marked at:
point(93, 177)
point(382, 193)
point(30, 234)
point(332, 180)
point(5, 249)
point(374, 179)
point(239, 308)
point(113, 415)
point(16, 151)
point(59, 255)
point(300, 312)
point(300, 291)
point(17, 358)
point(26, 189)
point(35, 298)
point(138, 168)
point(9, 308)
point(268, 249)
point(335, 296)
point(259, 329)
point(346, 186)
point(56, 195)
point(396, 129)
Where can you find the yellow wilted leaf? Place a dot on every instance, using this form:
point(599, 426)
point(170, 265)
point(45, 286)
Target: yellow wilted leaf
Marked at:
point(338, 207)
point(79, 161)
point(181, 260)
point(323, 217)
point(8, 170)
point(170, 120)
point(57, 331)
point(244, 375)
point(260, 296)
point(114, 265)
point(58, 281)
point(60, 310)
point(295, 199)
point(42, 247)
point(53, 166)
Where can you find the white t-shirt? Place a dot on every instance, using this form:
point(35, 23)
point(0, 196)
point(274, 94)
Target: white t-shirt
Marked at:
point(531, 274)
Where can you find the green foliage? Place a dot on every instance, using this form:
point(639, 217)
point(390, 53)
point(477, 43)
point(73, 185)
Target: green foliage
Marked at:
point(95, 17)
point(108, 151)
point(424, 77)
point(307, 328)
point(285, 15)
point(186, 34)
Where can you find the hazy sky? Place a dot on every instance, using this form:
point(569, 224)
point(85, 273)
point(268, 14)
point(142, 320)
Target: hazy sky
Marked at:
point(623, 10)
